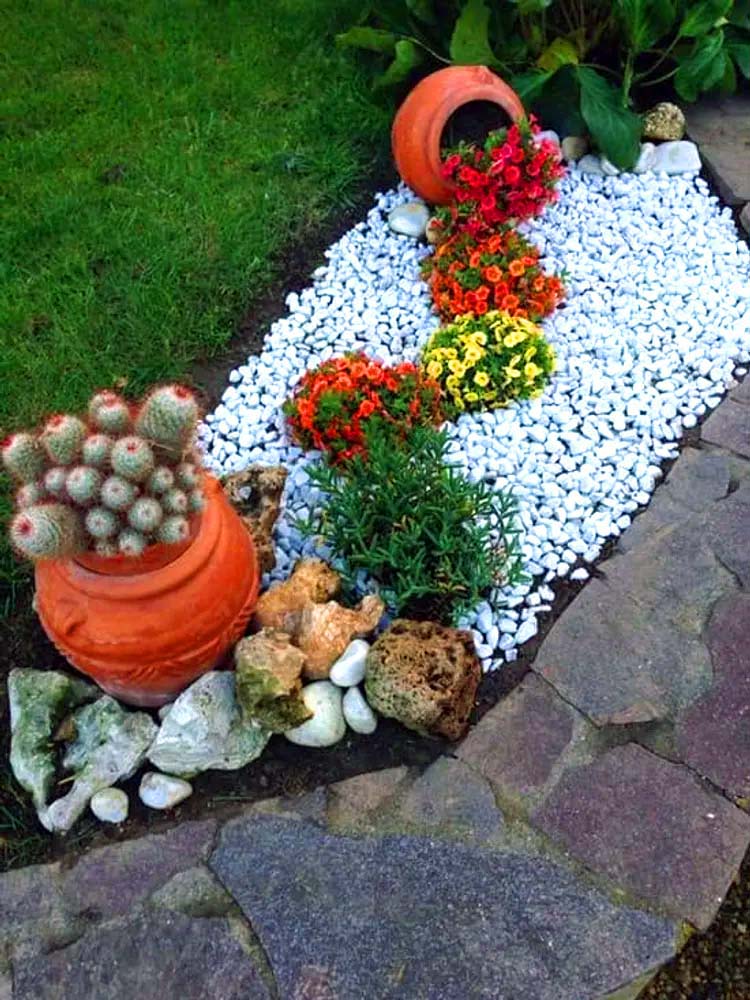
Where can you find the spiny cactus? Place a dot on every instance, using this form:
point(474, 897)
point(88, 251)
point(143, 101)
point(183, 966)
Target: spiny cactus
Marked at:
point(95, 450)
point(187, 476)
point(117, 493)
point(175, 502)
point(82, 484)
point(109, 413)
point(46, 531)
point(131, 542)
point(173, 529)
point(132, 458)
point(160, 480)
point(104, 484)
point(23, 457)
point(101, 523)
point(168, 417)
point(54, 480)
point(62, 438)
point(30, 493)
point(145, 515)
point(196, 501)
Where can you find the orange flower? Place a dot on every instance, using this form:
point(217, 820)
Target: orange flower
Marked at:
point(510, 302)
point(516, 268)
point(475, 260)
point(493, 274)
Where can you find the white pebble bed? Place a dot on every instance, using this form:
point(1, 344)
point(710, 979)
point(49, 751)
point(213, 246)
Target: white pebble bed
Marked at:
point(656, 320)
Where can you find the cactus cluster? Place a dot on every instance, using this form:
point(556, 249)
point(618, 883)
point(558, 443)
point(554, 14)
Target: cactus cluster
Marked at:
point(124, 478)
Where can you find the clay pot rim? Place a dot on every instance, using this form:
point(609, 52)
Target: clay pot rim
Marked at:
point(150, 580)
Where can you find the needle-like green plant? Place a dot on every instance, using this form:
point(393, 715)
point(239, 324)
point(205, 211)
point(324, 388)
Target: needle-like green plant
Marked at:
point(434, 541)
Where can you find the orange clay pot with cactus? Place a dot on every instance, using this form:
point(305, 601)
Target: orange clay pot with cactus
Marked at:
point(145, 575)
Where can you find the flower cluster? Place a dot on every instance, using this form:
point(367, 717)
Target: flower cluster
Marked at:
point(334, 402)
point(512, 177)
point(483, 362)
point(499, 272)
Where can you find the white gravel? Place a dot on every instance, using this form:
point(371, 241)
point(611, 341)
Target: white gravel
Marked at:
point(656, 320)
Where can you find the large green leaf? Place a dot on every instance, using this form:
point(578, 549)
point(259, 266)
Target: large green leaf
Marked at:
point(527, 7)
point(407, 58)
point(529, 85)
point(557, 102)
point(470, 44)
point(701, 17)
point(740, 53)
point(560, 52)
point(616, 129)
point(702, 69)
point(739, 15)
point(372, 39)
point(645, 21)
point(422, 9)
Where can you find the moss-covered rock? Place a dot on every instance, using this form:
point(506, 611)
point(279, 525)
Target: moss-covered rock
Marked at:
point(269, 680)
point(39, 701)
point(110, 745)
point(424, 675)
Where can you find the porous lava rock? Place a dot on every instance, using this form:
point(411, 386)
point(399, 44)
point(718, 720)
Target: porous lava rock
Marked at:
point(424, 675)
point(255, 493)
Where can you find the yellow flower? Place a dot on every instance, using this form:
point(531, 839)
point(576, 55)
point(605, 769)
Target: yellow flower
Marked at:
point(531, 371)
point(434, 369)
point(514, 338)
point(481, 379)
point(511, 369)
point(471, 397)
point(452, 383)
point(456, 367)
point(530, 354)
point(473, 355)
point(480, 338)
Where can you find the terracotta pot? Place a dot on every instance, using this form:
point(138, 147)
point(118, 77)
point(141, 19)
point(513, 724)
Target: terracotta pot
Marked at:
point(419, 123)
point(144, 628)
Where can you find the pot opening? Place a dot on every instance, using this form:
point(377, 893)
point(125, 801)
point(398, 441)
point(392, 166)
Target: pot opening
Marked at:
point(471, 123)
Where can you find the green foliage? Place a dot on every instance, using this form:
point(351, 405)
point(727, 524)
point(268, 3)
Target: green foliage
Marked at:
point(554, 53)
point(433, 540)
point(158, 160)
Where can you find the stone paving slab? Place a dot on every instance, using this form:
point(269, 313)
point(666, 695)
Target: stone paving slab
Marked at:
point(153, 956)
point(419, 919)
point(721, 127)
point(651, 827)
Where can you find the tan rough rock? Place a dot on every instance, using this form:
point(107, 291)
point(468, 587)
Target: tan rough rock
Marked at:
point(424, 675)
point(325, 630)
point(312, 582)
point(255, 493)
point(269, 680)
point(664, 122)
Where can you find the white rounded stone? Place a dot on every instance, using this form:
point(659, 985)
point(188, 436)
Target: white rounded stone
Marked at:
point(327, 725)
point(349, 669)
point(358, 714)
point(410, 219)
point(110, 805)
point(163, 791)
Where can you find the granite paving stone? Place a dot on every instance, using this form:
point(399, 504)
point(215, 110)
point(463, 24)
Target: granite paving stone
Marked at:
point(156, 955)
point(112, 880)
point(517, 743)
point(721, 127)
point(729, 427)
point(713, 735)
point(651, 827)
point(629, 649)
point(414, 918)
point(451, 798)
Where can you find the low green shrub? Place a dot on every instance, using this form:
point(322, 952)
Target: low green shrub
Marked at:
point(575, 64)
point(434, 541)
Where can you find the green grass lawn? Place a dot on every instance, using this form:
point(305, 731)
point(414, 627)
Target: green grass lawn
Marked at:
point(155, 160)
